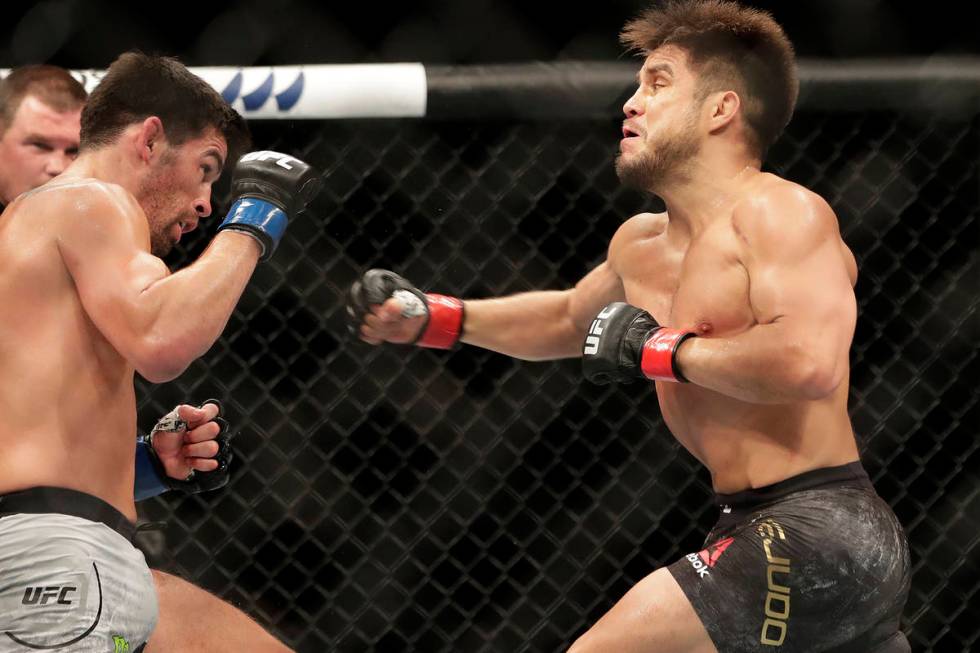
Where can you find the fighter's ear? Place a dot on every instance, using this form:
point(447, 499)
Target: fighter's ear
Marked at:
point(150, 138)
point(722, 107)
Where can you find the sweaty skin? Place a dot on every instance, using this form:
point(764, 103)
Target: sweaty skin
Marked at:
point(794, 287)
point(744, 296)
point(88, 305)
point(752, 263)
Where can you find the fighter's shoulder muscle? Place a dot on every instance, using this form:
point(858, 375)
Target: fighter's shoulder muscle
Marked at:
point(90, 206)
point(783, 218)
point(641, 227)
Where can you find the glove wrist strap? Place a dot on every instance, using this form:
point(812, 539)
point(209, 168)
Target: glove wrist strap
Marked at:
point(256, 216)
point(151, 479)
point(657, 359)
point(445, 325)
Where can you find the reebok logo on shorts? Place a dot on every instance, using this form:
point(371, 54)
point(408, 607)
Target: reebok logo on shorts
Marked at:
point(704, 560)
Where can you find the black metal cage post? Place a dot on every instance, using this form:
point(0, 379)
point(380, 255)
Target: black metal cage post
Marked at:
point(397, 499)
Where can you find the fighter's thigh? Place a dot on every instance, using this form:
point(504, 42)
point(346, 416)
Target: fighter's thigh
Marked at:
point(654, 615)
point(193, 620)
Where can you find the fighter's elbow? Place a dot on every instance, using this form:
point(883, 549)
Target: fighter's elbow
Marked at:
point(161, 361)
point(813, 376)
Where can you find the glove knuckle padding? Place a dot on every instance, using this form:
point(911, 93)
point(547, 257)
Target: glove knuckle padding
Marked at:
point(374, 288)
point(222, 425)
point(288, 183)
point(270, 189)
point(217, 405)
point(379, 285)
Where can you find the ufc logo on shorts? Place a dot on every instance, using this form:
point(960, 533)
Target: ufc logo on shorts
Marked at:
point(43, 595)
point(282, 160)
point(592, 340)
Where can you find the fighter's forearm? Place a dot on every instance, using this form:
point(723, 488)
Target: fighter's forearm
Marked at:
point(191, 307)
point(766, 364)
point(530, 326)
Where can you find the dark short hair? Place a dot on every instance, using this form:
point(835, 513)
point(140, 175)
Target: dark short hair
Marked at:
point(52, 85)
point(731, 48)
point(138, 86)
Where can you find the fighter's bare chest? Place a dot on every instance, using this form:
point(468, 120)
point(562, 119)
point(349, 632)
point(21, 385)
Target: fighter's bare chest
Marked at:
point(700, 284)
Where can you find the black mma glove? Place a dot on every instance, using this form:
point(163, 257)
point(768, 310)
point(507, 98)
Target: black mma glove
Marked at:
point(196, 481)
point(443, 324)
point(270, 189)
point(625, 343)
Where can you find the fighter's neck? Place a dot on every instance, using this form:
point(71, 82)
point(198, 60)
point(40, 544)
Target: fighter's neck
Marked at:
point(105, 164)
point(703, 193)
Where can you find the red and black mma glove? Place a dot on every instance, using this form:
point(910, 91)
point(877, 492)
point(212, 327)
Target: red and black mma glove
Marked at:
point(444, 315)
point(625, 343)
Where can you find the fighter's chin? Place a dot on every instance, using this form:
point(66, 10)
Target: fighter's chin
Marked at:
point(634, 174)
point(161, 244)
point(161, 248)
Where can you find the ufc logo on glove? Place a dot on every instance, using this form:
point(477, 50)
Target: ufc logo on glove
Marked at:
point(282, 160)
point(592, 340)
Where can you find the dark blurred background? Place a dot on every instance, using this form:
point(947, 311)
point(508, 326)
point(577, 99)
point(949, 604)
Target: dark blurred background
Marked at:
point(90, 33)
point(394, 499)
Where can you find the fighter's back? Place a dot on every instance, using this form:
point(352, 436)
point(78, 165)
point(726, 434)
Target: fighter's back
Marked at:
point(67, 397)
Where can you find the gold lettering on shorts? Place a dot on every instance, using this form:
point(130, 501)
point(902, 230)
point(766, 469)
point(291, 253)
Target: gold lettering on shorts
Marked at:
point(776, 623)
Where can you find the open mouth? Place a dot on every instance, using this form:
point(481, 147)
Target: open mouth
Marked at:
point(629, 133)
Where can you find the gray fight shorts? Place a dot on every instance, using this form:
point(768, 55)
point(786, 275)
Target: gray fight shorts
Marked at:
point(70, 578)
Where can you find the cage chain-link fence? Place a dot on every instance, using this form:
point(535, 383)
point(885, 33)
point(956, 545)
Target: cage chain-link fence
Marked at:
point(397, 499)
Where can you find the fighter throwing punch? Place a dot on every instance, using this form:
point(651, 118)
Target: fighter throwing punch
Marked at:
point(79, 260)
point(738, 304)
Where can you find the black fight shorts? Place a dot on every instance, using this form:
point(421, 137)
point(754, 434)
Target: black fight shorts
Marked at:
point(817, 562)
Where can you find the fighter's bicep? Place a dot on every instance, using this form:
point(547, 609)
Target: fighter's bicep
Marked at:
point(814, 287)
point(594, 291)
point(795, 270)
point(108, 262)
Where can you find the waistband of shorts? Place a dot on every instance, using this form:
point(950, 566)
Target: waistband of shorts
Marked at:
point(42, 500)
point(825, 477)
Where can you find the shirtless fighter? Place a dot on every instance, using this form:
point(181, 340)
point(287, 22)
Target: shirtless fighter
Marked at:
point(753, 285)
point(40, 121)
point(93, 304)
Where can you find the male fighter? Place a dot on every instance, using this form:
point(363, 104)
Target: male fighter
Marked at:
point(94, 303)
point(40, 120)
point(738, 303)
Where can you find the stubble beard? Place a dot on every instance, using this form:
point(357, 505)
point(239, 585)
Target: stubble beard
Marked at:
point(153, 196)
point(660, 163)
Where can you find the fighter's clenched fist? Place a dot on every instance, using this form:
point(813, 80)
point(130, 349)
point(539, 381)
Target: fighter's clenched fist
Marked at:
point(270, 188)
point(385, 307)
